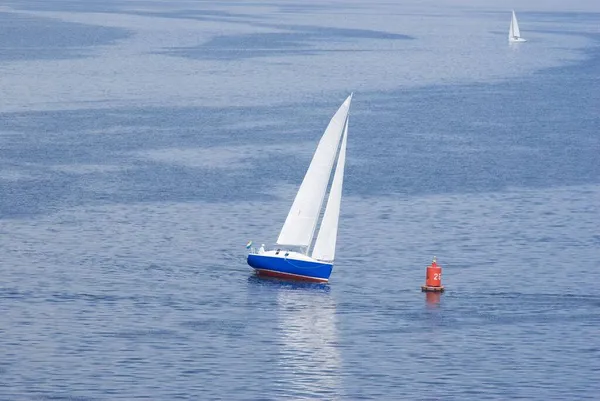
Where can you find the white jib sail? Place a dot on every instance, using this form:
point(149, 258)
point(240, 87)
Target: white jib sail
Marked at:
point(299, 226)
point(515, 26)
point(327, 237)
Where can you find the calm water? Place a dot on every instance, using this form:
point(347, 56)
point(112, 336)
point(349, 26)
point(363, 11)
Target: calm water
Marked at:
point(142, 144)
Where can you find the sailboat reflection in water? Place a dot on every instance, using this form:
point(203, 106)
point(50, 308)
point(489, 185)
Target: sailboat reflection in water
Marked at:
point(308, 357)
point(292, 258)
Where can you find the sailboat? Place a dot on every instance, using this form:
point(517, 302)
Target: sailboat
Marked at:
point(295, 256)
point(514, 35)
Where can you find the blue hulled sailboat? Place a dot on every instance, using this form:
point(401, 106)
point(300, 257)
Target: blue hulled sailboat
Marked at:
point(295, 256)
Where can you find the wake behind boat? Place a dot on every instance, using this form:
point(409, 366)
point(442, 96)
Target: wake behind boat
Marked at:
point(514, 34)
point(291, 258)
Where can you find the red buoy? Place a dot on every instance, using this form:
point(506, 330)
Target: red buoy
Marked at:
point(433, 278)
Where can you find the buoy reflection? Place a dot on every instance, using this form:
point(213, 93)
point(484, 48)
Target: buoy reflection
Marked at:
point(433, 299)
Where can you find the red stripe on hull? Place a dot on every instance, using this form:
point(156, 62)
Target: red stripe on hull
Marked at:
point(289, 276)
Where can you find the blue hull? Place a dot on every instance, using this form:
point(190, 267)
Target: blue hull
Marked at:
point(290, 268)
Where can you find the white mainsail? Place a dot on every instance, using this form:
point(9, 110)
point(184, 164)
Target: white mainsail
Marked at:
point(513, 32)
point(300, 224)
point(326, 239)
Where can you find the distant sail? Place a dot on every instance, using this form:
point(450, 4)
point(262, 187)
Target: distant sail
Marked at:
point(514, 34)
point(515, 25)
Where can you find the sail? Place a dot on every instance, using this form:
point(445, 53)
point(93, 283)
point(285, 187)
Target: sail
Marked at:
point(327, 237)
point(515, 26)
point(511, 34)
point(300, 224)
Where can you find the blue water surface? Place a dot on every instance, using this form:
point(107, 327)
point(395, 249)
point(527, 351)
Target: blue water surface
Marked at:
point(123, 225)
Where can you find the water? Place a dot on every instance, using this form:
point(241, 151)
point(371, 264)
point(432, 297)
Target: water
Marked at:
point(143, 144)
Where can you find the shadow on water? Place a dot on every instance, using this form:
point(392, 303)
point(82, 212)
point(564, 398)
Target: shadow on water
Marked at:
point(50, 39)
point(295, 40)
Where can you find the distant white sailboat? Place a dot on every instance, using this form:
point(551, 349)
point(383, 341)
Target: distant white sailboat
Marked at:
point(293, 257)
point(514, 34)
